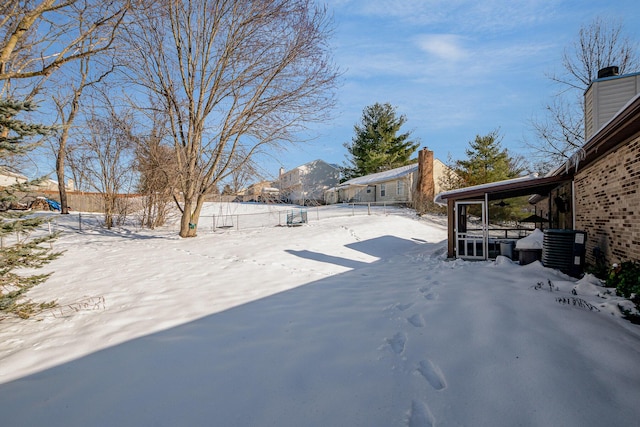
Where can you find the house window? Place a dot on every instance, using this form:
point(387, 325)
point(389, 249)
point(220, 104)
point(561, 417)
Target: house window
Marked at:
point(400, 188)
point(383, 190)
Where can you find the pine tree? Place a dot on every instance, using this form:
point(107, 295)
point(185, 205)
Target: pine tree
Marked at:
point(18, 249)
point(377, 147)
point(486, 162)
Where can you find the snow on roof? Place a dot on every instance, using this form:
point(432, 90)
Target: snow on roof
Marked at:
point(10, 173)
point(381, 176)
point(306, 166)
point(439, 199)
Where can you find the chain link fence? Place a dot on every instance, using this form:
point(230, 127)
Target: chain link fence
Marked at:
point(282, 216)
point(217, 217)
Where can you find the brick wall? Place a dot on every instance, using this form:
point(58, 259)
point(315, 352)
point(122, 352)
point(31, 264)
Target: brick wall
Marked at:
point(425, 183)
point(608, 204)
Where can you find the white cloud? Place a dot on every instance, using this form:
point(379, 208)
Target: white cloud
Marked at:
point(447, 47)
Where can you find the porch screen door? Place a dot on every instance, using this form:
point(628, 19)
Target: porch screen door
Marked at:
point(471, 230)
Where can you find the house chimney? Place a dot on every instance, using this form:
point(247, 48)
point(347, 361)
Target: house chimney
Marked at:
point(606, 95)
point(426, 184)
point(608, 71)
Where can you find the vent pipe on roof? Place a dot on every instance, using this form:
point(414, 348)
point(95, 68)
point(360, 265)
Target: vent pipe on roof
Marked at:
point(608, 71)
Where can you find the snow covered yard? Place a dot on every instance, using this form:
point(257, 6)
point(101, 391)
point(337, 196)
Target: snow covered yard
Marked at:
point(346, 321)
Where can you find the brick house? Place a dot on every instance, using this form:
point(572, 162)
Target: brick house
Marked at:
point(607, 184)
point(596, 191)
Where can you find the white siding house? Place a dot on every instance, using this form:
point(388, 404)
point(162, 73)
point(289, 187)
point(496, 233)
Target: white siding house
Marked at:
point(307, 183)
point(395, 185)
point(398, 185)
point(8, 178)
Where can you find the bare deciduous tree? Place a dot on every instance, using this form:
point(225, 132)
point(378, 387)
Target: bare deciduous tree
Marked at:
point(107, 156)
point(600, 44)
point(91, 70)
point(77, 160)
point(41, 37)
point(155, 162)
point(67, 102)
point(235, 77)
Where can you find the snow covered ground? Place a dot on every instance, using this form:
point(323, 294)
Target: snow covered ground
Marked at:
point(345, 321)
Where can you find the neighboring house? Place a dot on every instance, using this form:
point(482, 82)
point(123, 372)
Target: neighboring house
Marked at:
point(596, 191)
point(394, 185)
point(253, 193)
point(397, 185)
point(307, 183)
point(51, 185)
point(8, 178)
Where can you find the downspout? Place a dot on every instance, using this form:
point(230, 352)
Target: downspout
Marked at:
point(485, 226)
point(549, 213)
point(573, 204)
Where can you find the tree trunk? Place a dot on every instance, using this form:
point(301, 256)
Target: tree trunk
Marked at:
point(188, 228)
point(190, 216)
point(64, 206)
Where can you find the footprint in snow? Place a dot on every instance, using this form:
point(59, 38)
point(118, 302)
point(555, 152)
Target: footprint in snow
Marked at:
point(416, 320)
point(397, 342)
point(420, 415)
point(403, 307)
point(432, 374)
point(426, 291)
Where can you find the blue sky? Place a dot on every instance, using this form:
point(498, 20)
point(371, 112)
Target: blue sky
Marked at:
point(456, 69)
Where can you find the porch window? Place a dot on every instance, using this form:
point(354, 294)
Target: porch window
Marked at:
point(400, 188)
point(383, 190)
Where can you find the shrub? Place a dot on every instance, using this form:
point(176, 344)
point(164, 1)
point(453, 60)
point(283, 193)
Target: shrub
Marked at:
point(626, 279)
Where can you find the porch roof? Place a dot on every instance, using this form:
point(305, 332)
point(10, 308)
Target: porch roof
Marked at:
point(522, 186)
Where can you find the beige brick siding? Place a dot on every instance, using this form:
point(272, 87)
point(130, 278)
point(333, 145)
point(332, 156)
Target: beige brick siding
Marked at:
point(608, 204)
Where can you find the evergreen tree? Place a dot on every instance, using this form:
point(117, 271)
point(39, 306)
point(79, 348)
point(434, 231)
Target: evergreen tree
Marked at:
point(486, 162)
point(18, 249)
point(227, 190)
point(377, 147)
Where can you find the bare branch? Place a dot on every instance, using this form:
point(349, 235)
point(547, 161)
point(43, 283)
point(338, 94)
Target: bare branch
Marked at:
point(40, 39)
point(598, 45)
point(235, 77)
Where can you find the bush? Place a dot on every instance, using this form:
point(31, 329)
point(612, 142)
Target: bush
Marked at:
point(626, 279)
